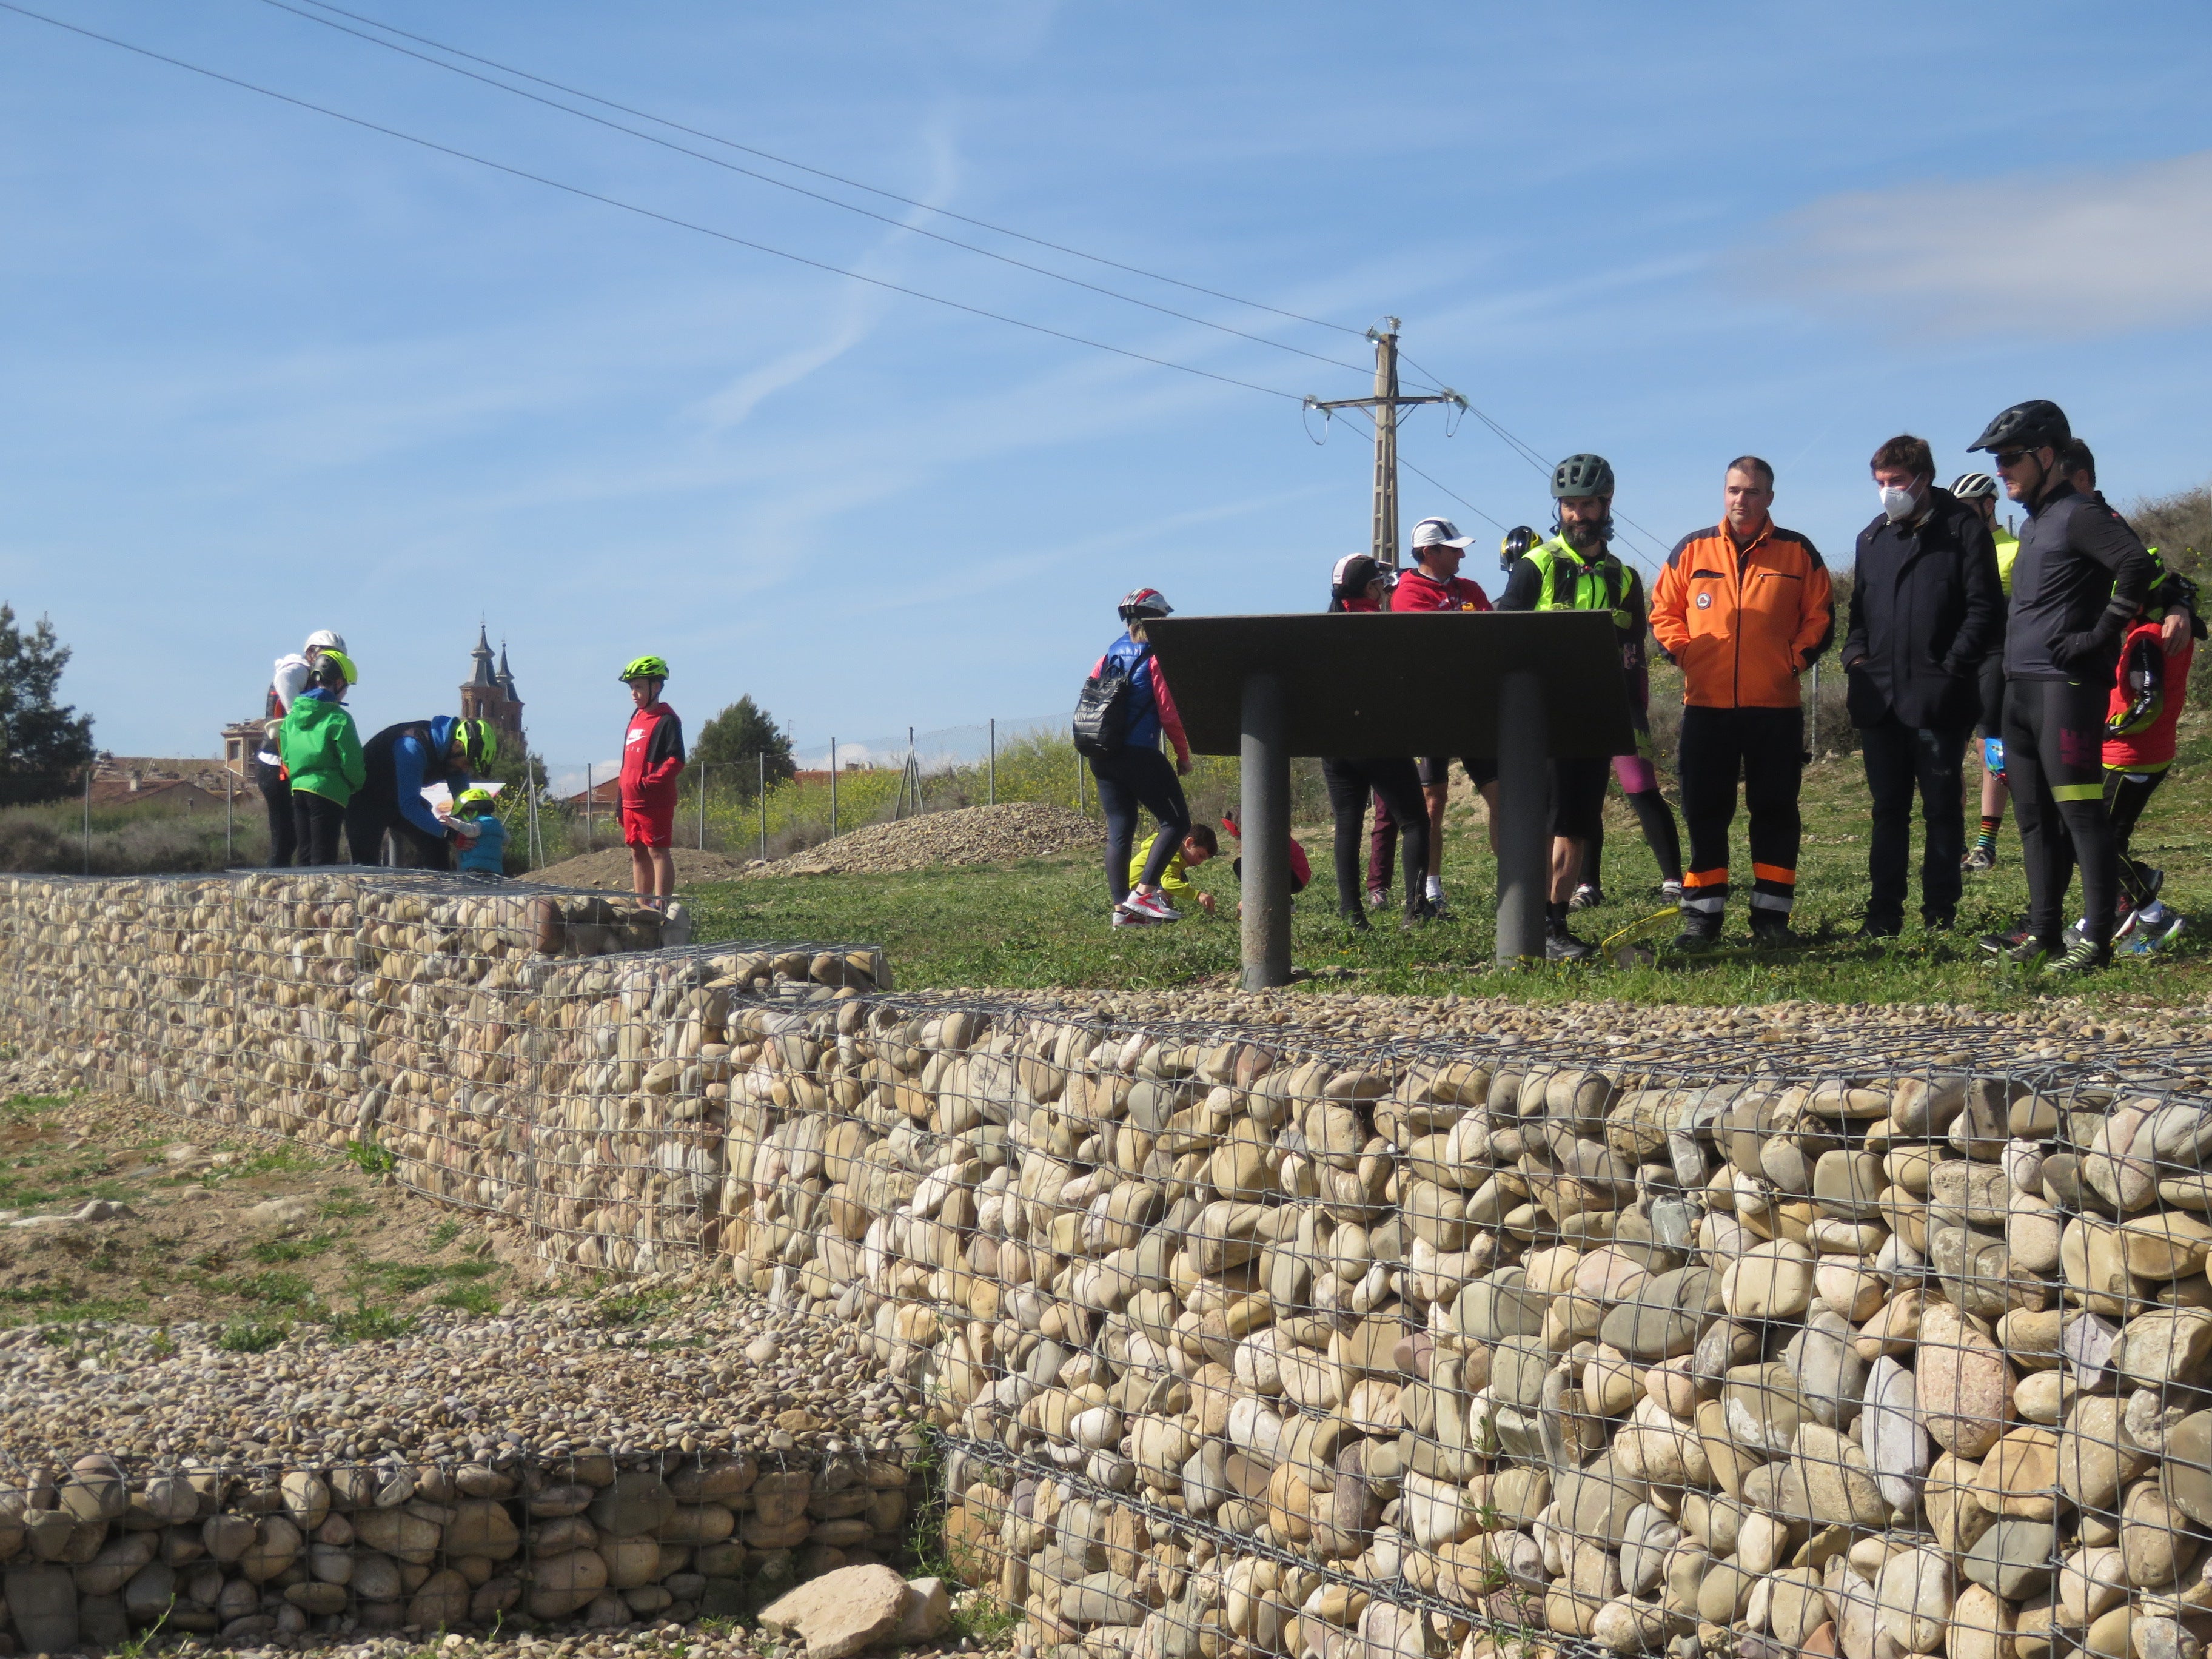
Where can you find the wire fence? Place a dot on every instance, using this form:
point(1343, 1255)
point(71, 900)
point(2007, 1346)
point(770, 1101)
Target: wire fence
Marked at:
point(1248, 1338)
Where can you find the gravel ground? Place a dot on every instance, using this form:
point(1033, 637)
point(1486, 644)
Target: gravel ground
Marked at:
point(657, 1365)
point(973, 834)
point(2056, 1028)
point(706, 1638)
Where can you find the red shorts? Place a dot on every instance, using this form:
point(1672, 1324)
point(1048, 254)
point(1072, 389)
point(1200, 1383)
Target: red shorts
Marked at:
point(648, 823)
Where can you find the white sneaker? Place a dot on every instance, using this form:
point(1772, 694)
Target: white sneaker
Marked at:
point(1671, 891)
point(1125, 917)
point(1153, 908)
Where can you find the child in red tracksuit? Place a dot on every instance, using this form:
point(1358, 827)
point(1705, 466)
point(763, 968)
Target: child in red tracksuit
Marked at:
point(652, 759)
point(2148, 693)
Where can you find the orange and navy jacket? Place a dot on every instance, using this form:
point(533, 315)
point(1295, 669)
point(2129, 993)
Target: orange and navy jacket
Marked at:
point(1743, 623)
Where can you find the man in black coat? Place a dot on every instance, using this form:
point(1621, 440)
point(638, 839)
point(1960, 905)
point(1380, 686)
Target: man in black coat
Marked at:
point(1927, 608)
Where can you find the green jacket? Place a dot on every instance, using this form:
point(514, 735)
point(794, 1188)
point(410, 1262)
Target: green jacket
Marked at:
point(321, 750)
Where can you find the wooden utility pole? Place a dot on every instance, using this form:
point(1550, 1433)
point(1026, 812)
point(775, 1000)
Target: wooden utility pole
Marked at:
point(1384, 406)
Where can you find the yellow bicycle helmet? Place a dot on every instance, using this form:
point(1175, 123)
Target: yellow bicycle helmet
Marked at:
point(645, 668)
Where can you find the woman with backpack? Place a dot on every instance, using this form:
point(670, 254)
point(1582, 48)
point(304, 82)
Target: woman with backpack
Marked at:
point(1124, 708)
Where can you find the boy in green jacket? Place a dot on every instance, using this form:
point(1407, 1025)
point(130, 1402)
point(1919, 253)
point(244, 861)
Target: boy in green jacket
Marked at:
point(322, 758)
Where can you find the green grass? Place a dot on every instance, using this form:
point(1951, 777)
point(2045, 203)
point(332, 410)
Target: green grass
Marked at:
point(472, 1298)
point(343, 1207)
point(1044, 922)
point(278, 1250)
point(62, 1304)
point(250, 1336)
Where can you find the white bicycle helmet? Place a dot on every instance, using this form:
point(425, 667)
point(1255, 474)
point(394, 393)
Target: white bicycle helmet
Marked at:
point(1973, 486)
point(323, 639)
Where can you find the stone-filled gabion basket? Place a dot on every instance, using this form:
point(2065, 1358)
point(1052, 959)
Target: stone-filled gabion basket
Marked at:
point(102, 1547)
point(1241, 1340)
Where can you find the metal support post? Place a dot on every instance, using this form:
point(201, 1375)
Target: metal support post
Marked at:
point(833, 788)
point(994, 796)
point(1524, 847)
point(703, 807)
point(1266, 783)
point(762, 758)
point(588, 846)
point(229, 819)
point(87, 818)
point(1813, 737)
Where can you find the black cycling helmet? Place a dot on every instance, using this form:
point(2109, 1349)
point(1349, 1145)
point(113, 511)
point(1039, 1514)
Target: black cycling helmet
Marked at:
point(1582, 476)
point(2038, 424)
point(1514, 547)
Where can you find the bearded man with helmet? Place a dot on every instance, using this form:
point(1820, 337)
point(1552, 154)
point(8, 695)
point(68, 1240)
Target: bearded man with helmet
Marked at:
point(1576, 569)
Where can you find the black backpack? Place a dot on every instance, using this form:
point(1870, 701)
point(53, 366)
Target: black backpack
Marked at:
point(1103, 710)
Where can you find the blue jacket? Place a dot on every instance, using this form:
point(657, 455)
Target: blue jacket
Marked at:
point(1151, 709)
point(412, 767)
point(488, 851)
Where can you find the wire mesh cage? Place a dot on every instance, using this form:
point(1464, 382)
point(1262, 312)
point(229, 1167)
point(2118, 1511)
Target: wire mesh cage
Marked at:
point(1256, 1339)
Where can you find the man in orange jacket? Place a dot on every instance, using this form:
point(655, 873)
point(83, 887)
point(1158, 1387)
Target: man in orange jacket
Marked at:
point(1743, 609)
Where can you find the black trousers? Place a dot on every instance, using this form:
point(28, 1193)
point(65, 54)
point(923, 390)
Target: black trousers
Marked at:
point(1397, 785)
point(276, 796)
point(2054, 739)
point(1900, 760)
point(1139, 777)
point(317, 821)
point(1765, 748)
point(2126, 794)
point(1656, 819)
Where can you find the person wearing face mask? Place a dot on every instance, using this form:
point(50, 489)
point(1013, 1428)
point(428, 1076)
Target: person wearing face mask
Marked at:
point(1927, 608)
point(2080, 577)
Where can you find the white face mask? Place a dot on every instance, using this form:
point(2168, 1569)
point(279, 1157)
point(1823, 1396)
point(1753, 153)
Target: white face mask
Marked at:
point(1898, 505)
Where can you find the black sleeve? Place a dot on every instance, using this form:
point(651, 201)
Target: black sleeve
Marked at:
point(2105, 537)
point(1523, 586)
point(667, 741)
point(1855, 640)
point(1983, 630)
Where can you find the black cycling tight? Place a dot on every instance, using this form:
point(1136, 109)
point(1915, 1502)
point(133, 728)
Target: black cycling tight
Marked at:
point(2054, 738)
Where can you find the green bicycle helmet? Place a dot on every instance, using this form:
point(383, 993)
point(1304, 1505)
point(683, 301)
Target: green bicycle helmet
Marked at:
point(1582, 476)
point(480, 742)
point(645, 668)
point(331, 660)
point(472, 803)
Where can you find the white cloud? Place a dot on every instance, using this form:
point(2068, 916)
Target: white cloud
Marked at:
point(2099, 252)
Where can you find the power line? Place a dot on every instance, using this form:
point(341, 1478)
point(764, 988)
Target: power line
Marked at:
point(834, 178)
point(894, 221)
point(644, 212)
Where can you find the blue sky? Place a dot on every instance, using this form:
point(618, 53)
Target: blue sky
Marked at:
point(263, 372)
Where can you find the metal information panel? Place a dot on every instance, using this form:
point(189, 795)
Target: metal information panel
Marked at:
point(1520, 686)
point(1358, 685)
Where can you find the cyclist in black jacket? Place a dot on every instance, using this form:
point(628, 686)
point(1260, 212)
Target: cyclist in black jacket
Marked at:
point(2080, 576)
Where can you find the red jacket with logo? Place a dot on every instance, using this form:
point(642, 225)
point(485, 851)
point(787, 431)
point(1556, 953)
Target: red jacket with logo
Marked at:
point(652, 756)
point(1417, 590)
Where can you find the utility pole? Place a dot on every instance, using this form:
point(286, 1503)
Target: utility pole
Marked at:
point(1384, 406)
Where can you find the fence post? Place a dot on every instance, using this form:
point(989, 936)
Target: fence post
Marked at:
point(589, 847)
point(1812, 740)
point(229, 819)
point(833, 793)
point(994, 762)
point(1079, 785)
point(762, 758)
point(702, 806)
point(88, 818)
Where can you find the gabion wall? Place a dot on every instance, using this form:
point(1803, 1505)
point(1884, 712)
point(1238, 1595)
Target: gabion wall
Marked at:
point(1243, 1342)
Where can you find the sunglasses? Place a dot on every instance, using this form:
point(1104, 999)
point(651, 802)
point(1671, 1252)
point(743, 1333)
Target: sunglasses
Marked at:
point(2012, 456)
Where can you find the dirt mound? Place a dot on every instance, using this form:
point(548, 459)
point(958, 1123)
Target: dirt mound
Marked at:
point(609, 869)
point(973, 834)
